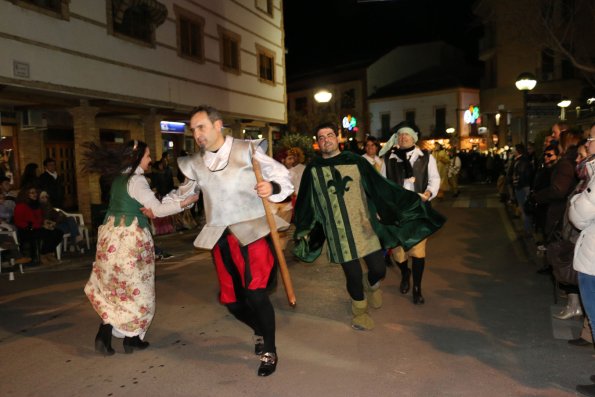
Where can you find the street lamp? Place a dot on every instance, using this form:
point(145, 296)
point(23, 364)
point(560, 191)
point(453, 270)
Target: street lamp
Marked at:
point(323, 96)
point(563, 104)
point(525, 83)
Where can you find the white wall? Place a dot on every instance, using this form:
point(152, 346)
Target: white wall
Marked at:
point(423, 105)
point(78, 56)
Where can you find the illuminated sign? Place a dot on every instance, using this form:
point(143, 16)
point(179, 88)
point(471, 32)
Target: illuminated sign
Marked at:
point(173, 127)
point(471, 115)
point(349, 122)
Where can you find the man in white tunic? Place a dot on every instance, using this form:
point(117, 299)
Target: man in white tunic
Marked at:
point(236, 230)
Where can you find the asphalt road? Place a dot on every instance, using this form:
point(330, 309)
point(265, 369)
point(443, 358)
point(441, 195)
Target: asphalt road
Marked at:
point(485, 330)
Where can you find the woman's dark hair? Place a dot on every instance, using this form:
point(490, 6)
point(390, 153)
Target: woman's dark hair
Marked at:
point(113, 160)
point(374, 140)
point(29, 176)
point(23, 195)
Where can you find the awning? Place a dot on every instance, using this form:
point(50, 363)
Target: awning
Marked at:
point(157, 10)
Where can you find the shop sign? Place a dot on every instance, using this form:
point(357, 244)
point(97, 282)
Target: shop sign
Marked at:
point(172, 127)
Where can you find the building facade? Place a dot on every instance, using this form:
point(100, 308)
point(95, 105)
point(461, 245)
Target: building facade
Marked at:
point(533, 36)
point(112, 70)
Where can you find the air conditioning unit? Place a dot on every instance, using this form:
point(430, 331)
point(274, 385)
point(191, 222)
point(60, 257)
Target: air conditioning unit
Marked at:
point(33, 119)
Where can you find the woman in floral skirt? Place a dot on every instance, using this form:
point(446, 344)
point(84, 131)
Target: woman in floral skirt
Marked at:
point(121, 287)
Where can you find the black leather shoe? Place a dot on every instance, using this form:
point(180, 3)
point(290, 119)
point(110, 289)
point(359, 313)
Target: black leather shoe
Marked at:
point(587, 390)
point(103, 340)
point(258, 345)
point(579, 342)
point(268, 364)
point(418, 298)
point(134, 343)
point(405, 285)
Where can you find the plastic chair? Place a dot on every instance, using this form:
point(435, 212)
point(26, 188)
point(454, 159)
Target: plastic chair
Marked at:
point(83, 230)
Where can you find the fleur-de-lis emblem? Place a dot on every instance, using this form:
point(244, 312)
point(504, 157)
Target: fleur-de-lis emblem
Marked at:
point(338, 184)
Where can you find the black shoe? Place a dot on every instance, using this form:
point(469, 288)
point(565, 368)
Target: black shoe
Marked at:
point(268, 364)
point(579, 342)
point(258, 345)
point(418, 298)
point(103, 340)
point(587, 390)
point(546, 269)
point(405, 284)
point(134, 343)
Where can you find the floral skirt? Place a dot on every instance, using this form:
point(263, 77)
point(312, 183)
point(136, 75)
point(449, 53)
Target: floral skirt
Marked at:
point(121, 287)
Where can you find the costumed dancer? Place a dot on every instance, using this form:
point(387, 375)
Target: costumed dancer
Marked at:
point(121, 287)
point(236, 230)
point(414, 169)
point(344, 200)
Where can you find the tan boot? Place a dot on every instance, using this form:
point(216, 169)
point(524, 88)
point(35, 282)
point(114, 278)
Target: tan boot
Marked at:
point(361, 320)
point(373, 293)
point(572, 309)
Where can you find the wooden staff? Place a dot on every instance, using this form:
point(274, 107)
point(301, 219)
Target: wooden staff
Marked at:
point(275, 237)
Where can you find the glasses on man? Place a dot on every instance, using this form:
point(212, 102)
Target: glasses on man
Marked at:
point(548, 155)
point(591, 139)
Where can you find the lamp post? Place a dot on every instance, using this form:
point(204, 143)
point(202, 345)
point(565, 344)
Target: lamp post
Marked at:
point(525, 83)
point(563, 104)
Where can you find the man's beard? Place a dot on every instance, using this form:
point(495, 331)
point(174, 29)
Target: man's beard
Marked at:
point(201, 150)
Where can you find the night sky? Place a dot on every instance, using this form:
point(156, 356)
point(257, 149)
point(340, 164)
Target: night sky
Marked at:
point(322, 33)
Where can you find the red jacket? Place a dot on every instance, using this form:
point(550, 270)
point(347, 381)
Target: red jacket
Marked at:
point(23, 215)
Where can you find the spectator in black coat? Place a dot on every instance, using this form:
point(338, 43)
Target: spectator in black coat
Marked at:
point(52, 183)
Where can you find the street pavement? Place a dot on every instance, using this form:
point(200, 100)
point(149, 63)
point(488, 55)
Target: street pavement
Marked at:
point(485, 330)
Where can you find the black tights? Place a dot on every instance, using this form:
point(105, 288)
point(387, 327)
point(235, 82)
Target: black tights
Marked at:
point(417, 267)
point(353, 273)
point(256, 311)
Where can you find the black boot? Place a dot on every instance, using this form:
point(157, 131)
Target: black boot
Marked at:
point(405, 275)
point(418, 298)
point(134, 343)
point(418, 271)
point(103, 340)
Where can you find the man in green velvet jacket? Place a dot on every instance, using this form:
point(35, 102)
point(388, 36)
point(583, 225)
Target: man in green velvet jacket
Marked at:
point(344, 200)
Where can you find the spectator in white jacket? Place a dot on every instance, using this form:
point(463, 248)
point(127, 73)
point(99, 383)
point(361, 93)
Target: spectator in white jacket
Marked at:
point(582, 214)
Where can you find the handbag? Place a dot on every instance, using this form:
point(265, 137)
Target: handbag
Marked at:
point(560, 254)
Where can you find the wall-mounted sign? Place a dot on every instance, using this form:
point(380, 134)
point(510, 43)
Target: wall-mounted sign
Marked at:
point(172, 127)
point(471, 115)
point(349, 122)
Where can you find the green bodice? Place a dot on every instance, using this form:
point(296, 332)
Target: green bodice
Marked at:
point(121, 205)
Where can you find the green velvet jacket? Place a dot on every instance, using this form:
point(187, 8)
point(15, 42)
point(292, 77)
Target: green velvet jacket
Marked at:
point(398, 216)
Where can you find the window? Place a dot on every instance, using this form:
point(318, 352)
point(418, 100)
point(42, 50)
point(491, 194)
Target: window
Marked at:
point(57, 8)
point(410, 116)
point(348, 99)
point(491, 75)
point(567, 69)
point(265, 6)
point(229, 44)
point(190, 35)
point(135, 19)
point(440, 121)
point(385, 125)
point(547, 65)
point(301, 105)
point(266, 64)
